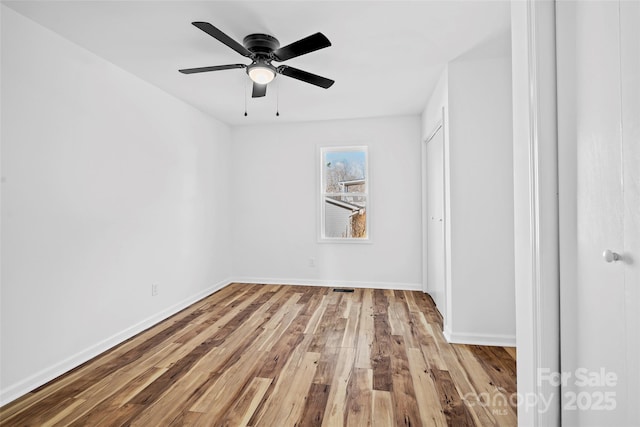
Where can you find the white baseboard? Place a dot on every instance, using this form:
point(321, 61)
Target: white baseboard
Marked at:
point(23, 387)
point(330, 283)
point(480, 339)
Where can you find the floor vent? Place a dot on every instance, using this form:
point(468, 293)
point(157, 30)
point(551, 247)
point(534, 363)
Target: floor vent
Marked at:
point(343, 290)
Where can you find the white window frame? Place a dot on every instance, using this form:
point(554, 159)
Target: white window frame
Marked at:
point(322, 194)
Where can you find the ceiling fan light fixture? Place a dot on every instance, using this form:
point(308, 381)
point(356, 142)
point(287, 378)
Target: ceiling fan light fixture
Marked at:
point(261, 73)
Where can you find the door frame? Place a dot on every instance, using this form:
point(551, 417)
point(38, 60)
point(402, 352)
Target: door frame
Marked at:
point(439, 125)
point(536, 232)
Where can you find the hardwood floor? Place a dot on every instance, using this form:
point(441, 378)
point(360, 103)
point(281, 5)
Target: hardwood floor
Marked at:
point(264, 355)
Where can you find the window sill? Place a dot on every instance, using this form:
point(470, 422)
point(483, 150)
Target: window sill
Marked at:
point(342, 241)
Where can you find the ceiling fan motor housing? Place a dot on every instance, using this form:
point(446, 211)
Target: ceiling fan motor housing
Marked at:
point(261, 44)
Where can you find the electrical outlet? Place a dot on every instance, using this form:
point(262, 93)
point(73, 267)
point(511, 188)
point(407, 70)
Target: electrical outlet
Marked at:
point(154, 290)
point(312, 262)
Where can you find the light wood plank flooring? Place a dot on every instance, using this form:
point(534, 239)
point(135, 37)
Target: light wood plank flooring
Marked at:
point(265, 355)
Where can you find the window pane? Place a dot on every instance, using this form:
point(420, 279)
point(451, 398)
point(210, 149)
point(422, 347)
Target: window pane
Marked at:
point(345, 217)
point(344, 171)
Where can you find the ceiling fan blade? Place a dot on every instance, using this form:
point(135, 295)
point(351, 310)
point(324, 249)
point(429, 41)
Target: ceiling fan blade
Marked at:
point(258, 90)
point(303, 46)
point(214, 68)
point(314, 79)
point(222, 37)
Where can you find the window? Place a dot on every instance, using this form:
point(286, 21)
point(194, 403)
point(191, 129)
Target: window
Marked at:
point(344, 194)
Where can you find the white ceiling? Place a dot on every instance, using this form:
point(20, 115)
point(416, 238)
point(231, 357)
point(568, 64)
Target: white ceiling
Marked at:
point(385, 57)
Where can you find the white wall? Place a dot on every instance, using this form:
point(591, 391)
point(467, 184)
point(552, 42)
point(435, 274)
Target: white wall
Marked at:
point(108, 185)
point(481, 199)
point(275, 204)
point(479, 194)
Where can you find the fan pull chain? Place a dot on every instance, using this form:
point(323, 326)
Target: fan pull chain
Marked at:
point(244, 83)
point(277, 99)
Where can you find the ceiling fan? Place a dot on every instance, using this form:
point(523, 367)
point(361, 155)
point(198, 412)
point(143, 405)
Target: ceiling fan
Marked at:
point(262, 49)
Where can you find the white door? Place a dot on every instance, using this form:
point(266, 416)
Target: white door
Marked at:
point(599, 159)
point(435, 218)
